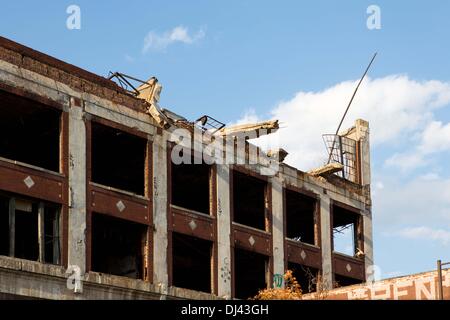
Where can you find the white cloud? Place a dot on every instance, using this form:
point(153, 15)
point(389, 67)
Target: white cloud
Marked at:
point(397, 108)
point(425, 233)
point(431, 176)
point(155, 41)
point(424, 200)
point(249, 116)
point(407, 161)
point(379, 185)
point(433, 139)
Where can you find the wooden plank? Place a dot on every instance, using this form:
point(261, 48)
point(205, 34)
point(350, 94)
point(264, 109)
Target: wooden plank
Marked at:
point(41, 232)
point(12, 226)
point(56, 238)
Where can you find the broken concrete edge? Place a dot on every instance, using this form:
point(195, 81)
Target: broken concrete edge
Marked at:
point(96, 279)
point(271, 126)
point(28, 52)
point(279, 153)
point(327, 169)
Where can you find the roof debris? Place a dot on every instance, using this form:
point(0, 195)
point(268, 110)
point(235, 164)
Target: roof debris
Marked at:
point(279, 153)
point(261, 128)
point(327, 169)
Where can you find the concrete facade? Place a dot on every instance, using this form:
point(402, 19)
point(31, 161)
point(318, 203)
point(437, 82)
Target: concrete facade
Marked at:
point(84, 98)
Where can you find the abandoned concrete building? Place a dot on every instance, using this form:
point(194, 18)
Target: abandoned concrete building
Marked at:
point(93, 207)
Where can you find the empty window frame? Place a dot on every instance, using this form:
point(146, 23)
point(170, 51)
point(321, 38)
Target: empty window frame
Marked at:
point(301, 217)
point(192, 263)
point(4, 225)
point(29, 132)
point(30, 229)
point(251, 273)
point(347, 231)
point(191, 186)
point(342, 281)
point(249, 200)
point(306, 277)
point(118, 159)
point(119, 246)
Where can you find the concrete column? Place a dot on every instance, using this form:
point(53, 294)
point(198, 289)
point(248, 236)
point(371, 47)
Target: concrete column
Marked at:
point(368, 243)
point(160, 241)
point(77, 186)
point(362, 135)
point(326, 241)
point(277, 226)
point(223, 231)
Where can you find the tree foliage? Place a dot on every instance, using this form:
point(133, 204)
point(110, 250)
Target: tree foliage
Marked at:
point(291, 290)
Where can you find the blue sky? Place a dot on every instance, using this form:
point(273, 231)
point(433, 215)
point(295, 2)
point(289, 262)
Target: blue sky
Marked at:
point(237, 60)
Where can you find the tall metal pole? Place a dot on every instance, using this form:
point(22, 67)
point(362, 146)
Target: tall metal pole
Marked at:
point(440, 288)
point(349, 104)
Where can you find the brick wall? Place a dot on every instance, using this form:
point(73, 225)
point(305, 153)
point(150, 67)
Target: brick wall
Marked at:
point(422, 286)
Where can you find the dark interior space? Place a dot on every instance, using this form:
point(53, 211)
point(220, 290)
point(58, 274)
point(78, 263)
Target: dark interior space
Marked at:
point(52, 251)
point(118, 159)
point(342, 281)
point(29, 132)
point(249, 200)
point(250, 273)
point(26, 231)
point(191, 262)
point(300, 217)
point(24, 221)
point(190, 186)
point(305, 276)
point(345, 229)
point(118, 246)
point(4, 226)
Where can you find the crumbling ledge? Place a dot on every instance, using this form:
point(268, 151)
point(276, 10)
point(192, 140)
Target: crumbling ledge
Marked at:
point(42, 281)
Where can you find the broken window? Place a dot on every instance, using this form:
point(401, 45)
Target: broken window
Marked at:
point(30, 229)
point(346, 225)
point(190, 186)
point(300, 217)
point(251, 271)
point(26, 231)
point(29, 132)
point(118, 246)
point(305, 276)
point(51, 235)
point(249, 200)
point(118, 159)
point(342, 281)
point(191, 262)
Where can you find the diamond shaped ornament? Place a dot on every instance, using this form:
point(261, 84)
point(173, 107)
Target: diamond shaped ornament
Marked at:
point(192, 225)
point(303, 254)
point(251, 240)
point(120, 205)
point(348, 267)
point(28, 182)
